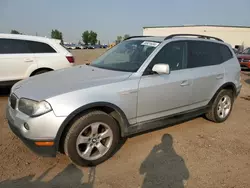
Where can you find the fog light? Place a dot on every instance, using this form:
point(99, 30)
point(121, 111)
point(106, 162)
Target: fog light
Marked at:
point(26, 126)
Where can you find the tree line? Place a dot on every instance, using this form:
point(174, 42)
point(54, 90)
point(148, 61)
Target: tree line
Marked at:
point(88, 37)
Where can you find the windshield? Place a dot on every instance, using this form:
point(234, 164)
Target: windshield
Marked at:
point(246, 51)
point(127, 56)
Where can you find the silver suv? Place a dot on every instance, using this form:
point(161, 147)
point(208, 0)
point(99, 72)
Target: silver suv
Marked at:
point(85, 111)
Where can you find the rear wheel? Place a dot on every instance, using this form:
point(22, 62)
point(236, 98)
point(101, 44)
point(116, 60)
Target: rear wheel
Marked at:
point(92, 139)
point(221, 107)
point(40, 72)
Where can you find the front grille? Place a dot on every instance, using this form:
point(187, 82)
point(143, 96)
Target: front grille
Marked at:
point(13, 101)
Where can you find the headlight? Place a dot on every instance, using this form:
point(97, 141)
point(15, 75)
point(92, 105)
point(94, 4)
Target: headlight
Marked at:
point(33, 108)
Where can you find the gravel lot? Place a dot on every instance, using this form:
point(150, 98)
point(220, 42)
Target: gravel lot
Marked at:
point(194, 154)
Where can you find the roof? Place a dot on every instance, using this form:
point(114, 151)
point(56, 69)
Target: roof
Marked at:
point(28, 37)
point(197, 26)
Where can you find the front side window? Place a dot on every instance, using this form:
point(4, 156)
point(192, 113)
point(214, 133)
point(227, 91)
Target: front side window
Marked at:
point(202, 54)
point(13, 46)
point(172, 54)
point(127, 56)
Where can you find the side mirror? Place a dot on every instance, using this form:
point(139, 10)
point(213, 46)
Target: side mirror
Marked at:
point(161, 68)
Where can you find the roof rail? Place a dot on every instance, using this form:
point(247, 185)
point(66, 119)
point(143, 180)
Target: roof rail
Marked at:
point(195, 35)
point(136, 37)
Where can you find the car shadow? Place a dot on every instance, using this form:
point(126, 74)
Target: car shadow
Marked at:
point(246, 98)
point(163, 167)
point(71, 176)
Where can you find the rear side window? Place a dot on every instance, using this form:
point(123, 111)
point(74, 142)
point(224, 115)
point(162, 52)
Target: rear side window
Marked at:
point(39, 47)
point(226, 54)
point(202, 54)
point(13, 46)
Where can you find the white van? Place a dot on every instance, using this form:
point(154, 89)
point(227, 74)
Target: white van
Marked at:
point(22, 56)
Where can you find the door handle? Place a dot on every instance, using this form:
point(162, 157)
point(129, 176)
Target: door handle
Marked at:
point(28, 60)
point(219, 76)
point(185, 83)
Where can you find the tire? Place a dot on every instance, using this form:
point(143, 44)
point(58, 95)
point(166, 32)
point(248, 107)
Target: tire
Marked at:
point(215, 113)
point(82, 128)
point(40, 72)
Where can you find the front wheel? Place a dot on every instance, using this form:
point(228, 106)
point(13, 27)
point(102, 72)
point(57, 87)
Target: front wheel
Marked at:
point(92, 139)
point(221, 107)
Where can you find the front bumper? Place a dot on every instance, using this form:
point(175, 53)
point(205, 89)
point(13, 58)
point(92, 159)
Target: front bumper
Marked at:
point(43, 129)
point(40, 150)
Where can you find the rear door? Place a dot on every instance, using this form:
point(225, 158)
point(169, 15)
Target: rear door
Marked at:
point(165, 94)
point(15, 59)
point(46, 56)
point(205, 63)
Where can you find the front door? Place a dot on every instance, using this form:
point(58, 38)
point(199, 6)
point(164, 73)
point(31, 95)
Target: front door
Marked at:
point(165, 94)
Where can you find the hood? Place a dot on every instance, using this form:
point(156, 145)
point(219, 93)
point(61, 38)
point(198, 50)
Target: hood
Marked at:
point(66, 80)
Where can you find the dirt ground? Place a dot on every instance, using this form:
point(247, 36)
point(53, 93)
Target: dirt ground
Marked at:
point(194, 154)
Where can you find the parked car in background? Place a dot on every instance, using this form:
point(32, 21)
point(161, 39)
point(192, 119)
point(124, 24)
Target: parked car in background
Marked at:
point(244, 59)
point(73, 46)
point(67, 46)
point(97, 46)
point(104, 46)
point(22, 56)
point(140, 84)
point(235, 50)
point(90, 47)
point(70, 46)
point(79, 46)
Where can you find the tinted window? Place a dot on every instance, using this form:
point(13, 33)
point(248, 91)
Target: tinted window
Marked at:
point(171, 54)
point(39, 47)
point(203, 54)
point(226, 54)
point(13, 46)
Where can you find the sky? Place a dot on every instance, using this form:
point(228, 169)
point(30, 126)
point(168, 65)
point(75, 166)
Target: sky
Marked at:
point(110, 18)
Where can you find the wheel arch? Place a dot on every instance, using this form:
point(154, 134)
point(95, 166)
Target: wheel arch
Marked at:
point(229, 86)
point(40, 69)
point(109, 108)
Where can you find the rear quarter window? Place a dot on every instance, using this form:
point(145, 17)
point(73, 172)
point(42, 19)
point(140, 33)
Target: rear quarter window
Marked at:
point(226, 54)
point(40, 47)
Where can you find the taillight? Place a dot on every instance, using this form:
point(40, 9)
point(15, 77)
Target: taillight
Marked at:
point(70, 59)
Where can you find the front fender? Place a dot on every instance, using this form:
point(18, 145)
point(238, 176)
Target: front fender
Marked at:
point(123, 123)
